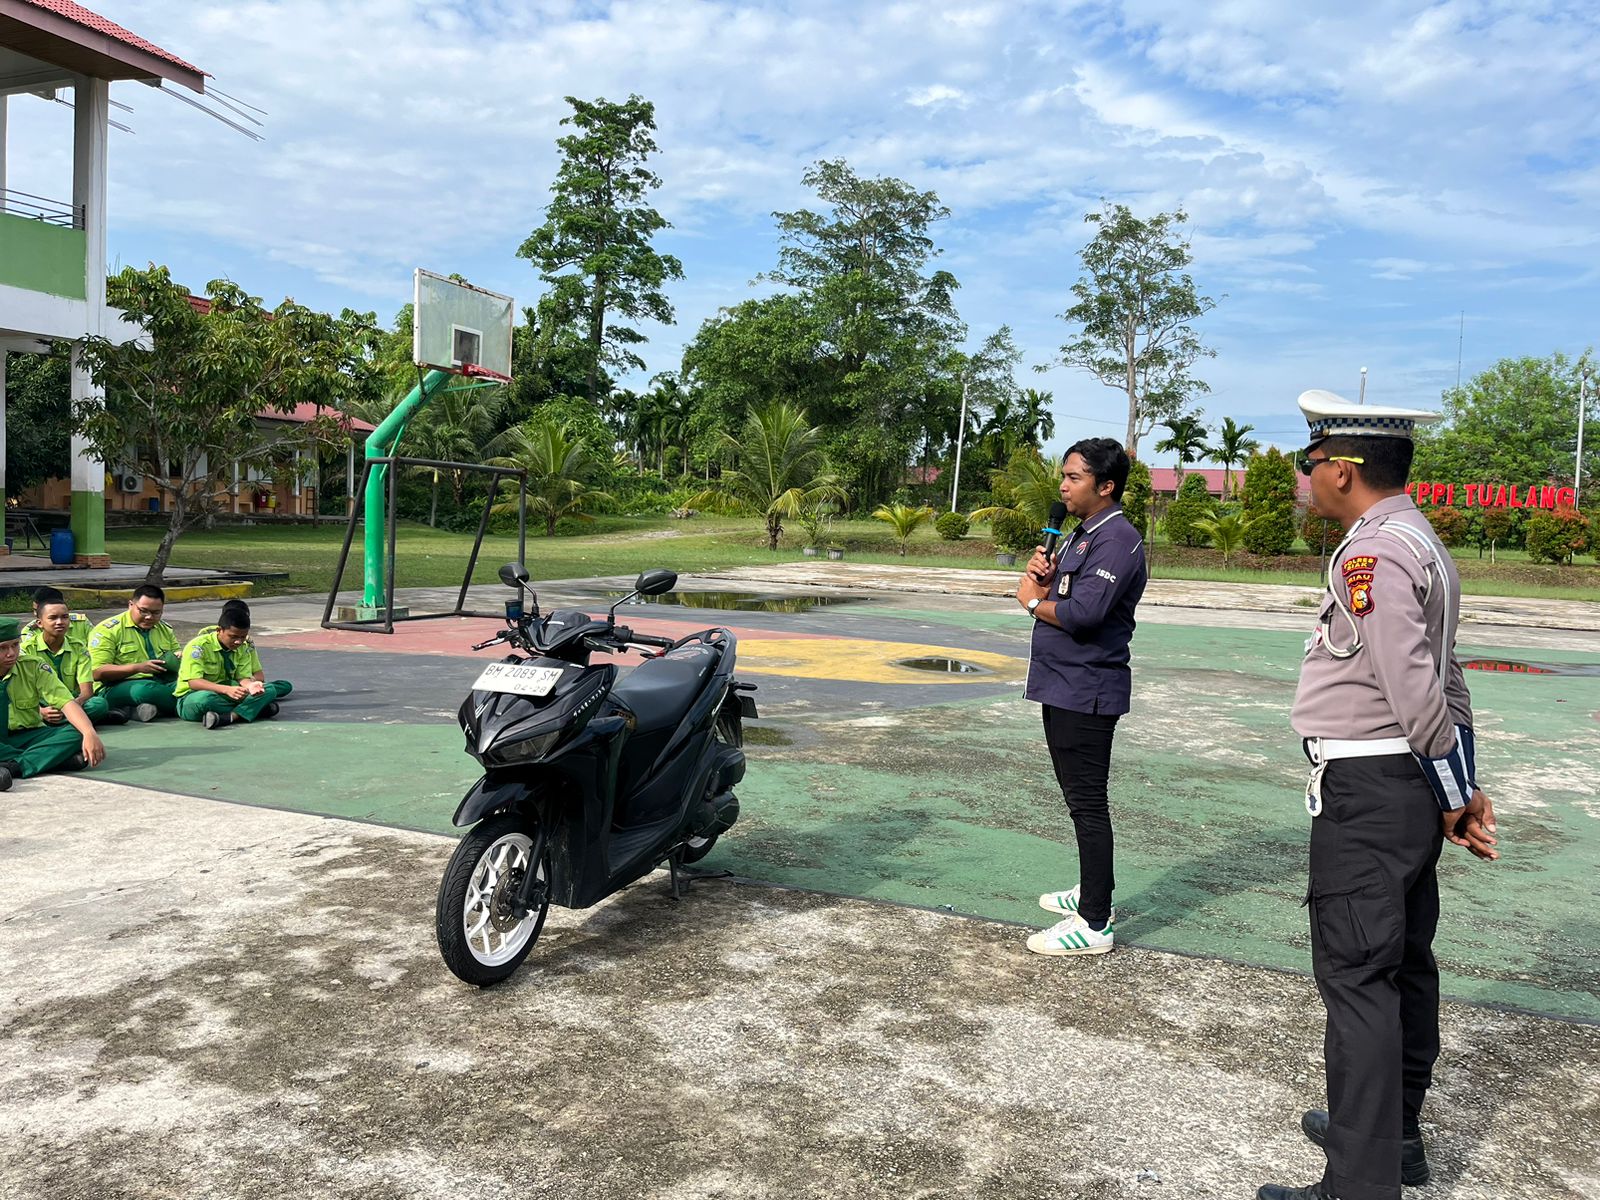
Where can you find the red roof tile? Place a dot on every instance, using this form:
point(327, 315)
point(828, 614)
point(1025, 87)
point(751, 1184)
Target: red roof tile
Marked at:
point(79, 15)
point(302, 414)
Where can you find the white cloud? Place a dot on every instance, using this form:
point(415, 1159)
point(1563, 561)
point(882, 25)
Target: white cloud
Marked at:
point(1313, 150)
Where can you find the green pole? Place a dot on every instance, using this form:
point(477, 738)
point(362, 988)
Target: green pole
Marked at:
point(380, 444)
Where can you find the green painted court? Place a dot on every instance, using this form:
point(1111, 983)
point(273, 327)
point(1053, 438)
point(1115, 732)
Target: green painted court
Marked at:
point(870, 779)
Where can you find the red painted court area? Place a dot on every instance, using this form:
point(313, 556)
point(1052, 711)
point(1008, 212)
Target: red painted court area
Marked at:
point(455, 636)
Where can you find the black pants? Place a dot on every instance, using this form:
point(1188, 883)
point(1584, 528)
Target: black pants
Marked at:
point(1374, 902)
point(1080, 750)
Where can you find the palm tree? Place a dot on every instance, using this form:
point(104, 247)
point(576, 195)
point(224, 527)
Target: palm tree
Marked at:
point(781, 469)
point(1030, 484)
point(1233, 447)
point(1226, 529)
point(453, 428)
point(555, 459)
point(1037, 417)
point(1187, 441)
point(904, 519)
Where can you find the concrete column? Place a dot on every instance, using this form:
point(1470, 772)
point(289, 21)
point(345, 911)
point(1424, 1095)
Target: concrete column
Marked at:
point(236, 487)
point(3, 143)
point(91, 113)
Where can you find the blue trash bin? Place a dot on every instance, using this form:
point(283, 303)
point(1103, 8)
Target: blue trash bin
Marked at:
point(63, 547)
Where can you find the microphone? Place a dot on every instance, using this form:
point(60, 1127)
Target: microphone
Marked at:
point(1052, 527)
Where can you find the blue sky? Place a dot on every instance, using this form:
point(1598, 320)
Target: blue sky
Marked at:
point(1356, 179)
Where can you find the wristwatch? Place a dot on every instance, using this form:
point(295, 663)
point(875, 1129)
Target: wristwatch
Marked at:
point(1033, 606)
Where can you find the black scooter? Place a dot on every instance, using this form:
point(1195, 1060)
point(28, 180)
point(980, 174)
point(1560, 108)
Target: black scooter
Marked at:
point(590, 781)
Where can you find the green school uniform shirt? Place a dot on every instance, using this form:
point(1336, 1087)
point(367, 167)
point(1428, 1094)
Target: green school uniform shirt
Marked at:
point(71, 665)
point(117, 641)
point(32, 684)
point(205, 658)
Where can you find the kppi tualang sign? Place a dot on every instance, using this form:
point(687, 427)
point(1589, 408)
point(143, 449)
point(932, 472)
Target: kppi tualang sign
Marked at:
point(1493, 495)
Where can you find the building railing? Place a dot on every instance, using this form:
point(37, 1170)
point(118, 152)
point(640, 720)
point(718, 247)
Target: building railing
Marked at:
point(41, 208)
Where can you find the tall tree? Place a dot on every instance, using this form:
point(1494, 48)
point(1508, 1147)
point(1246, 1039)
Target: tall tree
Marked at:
point(1516, 422)
point(1135, 313)
point(1233, 446)
point(594, 246)
point(1186, 437)
point(881, 322)
point(183, 412)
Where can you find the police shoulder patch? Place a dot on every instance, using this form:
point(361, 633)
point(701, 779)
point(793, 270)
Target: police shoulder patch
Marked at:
point(197, 653)
point(95, 640)
point(1358, 572)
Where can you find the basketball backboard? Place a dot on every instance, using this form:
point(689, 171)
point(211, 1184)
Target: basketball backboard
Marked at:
point(457, 327)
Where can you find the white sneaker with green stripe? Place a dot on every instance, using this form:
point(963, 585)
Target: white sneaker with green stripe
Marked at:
point(1073, 936)
point(1065, 902)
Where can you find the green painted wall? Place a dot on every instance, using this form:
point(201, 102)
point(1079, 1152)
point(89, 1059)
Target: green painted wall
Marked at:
point(42, 257)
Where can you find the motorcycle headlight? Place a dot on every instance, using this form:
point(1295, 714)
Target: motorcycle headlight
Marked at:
point(527, 749)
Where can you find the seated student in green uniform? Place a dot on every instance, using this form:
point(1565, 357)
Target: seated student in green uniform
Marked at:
point(29, 746)
point(135, 657)
point(52, 641)
point(220, 680)
point(77, 630)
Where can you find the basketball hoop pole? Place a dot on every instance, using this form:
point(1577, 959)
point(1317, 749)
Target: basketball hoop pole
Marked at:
point(380, 444)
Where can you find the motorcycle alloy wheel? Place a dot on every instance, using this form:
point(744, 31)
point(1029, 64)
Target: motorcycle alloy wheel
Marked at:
point(481, 940)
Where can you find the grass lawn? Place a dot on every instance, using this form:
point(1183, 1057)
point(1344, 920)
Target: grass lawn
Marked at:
point(625, 545)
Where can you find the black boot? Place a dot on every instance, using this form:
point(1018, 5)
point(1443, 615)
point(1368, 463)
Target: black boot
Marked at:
point(1280, 1191)
point(117, 716)
point(10, 772)
point(1413, 1158)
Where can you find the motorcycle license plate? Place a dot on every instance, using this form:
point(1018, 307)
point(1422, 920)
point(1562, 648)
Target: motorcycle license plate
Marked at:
point(517, 679)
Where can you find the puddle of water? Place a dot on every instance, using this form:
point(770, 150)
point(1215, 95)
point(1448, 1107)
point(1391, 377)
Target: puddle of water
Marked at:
point(743, 601)
point(1509, 667)
point(943, 666)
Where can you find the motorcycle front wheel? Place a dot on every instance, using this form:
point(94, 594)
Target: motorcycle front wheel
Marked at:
point(481, 939)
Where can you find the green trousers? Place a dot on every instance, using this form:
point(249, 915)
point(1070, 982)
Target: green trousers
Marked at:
point(142, 691)
point(96, 708)
point(40, 750)
point(193, 706)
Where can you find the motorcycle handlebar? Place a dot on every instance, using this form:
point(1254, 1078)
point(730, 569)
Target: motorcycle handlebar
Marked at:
point(491, 642)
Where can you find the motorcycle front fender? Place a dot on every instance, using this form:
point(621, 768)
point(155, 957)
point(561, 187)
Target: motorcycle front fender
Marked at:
point(485, 797)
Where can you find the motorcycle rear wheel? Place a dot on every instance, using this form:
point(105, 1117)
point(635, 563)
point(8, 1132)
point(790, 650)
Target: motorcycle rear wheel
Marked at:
point(480, 939)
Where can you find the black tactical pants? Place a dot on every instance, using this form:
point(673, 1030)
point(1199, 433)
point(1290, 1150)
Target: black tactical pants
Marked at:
point(1374, 907)
point(1080, 751)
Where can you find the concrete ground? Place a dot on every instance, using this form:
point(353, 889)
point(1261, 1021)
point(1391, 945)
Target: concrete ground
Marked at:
point(220, 978)
point(207, 1000)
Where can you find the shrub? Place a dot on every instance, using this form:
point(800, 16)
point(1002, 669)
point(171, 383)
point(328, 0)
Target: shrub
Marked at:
point(1497, 527)
point(1013, 533)
point(952, 526)
point(1557, 536)
point(1449, 523)
point(1191, 505)
point(1321, 533)
point(1136, 497)
point(1270, 496)
point(1225, 527)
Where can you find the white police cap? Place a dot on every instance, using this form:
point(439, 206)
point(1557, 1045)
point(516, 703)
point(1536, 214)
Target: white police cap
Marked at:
point(1331, 415)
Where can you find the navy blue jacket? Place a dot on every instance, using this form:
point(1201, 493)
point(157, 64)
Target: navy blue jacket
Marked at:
point(1099, 578)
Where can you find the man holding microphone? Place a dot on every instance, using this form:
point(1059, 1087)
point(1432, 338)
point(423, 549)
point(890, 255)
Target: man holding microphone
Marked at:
point(1082, 601)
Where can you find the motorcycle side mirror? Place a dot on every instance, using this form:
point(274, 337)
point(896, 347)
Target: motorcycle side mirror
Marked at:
point(514, 574)
point(656, 582)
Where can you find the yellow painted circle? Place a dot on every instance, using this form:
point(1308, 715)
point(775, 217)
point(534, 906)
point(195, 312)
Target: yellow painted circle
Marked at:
point(862, 661)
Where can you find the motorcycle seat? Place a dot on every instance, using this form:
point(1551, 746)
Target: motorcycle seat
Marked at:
point(659, 690)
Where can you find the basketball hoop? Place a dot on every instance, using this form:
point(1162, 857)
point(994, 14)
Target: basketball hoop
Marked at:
point(475, 371)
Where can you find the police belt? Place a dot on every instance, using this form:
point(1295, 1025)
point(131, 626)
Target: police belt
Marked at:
point(1322, 751)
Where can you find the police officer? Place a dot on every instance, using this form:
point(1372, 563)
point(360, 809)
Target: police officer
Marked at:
point(1082, 602)
point(1387, 724)
point(134, 656)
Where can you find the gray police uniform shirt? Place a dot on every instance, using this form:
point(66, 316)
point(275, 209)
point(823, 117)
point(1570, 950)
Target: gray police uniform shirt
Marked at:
point(1098, 581)
point(1403, 599)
